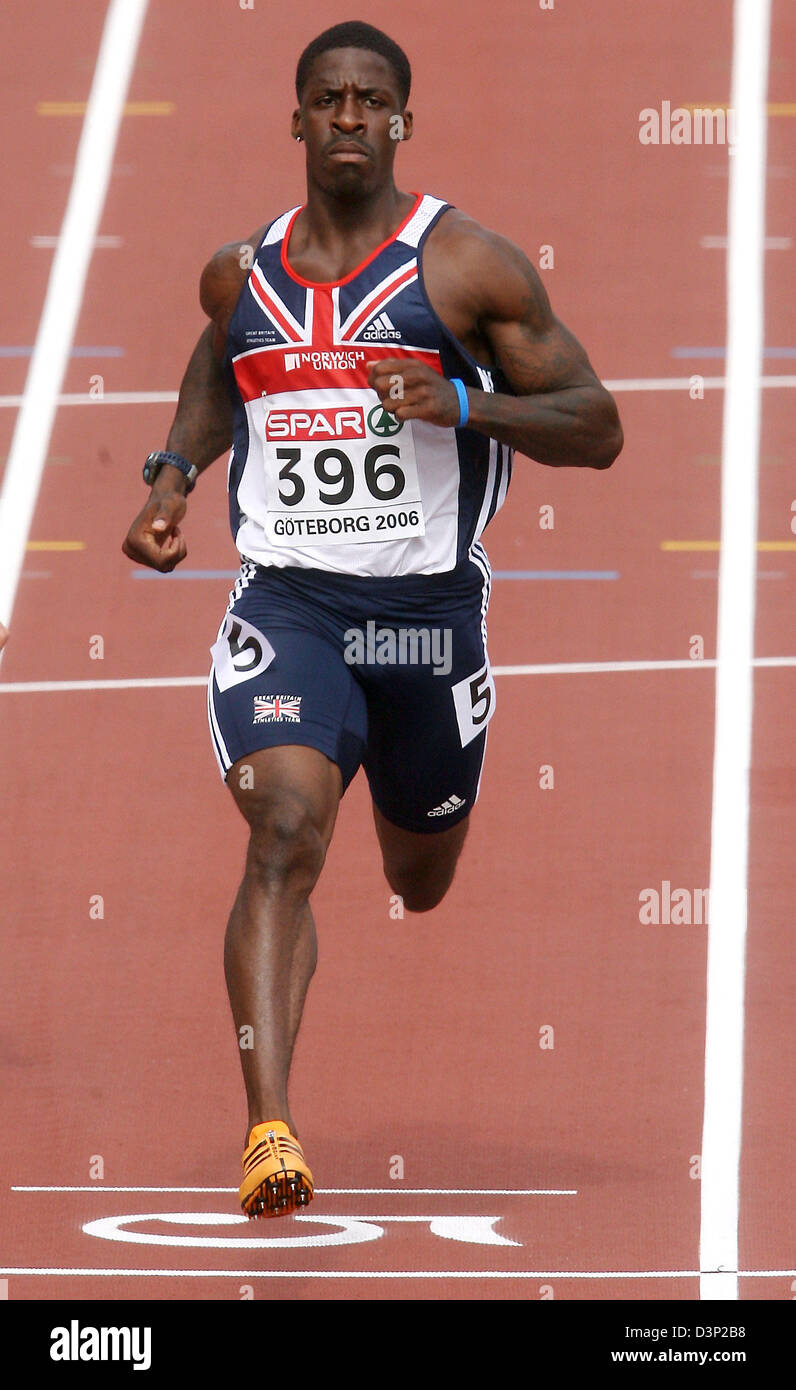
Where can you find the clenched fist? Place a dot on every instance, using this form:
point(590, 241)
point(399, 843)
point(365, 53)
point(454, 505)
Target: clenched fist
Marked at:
point(155, 538)
point(410, 390)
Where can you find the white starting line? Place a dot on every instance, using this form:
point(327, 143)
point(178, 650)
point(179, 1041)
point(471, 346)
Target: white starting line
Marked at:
point(342, 1191)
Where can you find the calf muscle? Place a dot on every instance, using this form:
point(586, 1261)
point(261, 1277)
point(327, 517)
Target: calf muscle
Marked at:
point(289, 798)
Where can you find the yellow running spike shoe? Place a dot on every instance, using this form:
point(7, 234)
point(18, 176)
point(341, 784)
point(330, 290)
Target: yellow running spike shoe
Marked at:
point(276, 1178)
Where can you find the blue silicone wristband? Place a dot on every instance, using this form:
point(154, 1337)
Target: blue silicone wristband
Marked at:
point(464, 404)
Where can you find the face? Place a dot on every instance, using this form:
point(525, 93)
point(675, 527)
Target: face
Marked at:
point(351, 121)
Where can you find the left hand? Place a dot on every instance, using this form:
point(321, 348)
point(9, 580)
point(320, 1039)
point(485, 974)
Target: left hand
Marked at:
point(410, 390)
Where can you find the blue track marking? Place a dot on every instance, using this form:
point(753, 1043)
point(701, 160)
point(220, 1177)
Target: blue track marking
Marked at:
point(555, 574)
point(186, 574)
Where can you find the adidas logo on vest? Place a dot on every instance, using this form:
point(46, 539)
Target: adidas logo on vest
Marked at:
point(381, 327)
point(452, 804)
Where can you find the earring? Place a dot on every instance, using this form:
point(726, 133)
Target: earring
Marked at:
point(298, 137)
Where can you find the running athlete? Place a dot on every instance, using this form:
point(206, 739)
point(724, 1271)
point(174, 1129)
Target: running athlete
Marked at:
point(373, 358)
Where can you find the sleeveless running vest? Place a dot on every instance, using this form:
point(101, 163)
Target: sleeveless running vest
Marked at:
point(320, 475)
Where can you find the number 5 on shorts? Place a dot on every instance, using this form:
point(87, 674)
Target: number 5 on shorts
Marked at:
point(474, 698)
point(239, 652)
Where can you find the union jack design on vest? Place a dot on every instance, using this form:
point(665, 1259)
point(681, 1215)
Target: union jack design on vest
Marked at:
point(320, 476)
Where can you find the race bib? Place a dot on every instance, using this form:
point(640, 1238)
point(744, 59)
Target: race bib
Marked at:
point(339, 474)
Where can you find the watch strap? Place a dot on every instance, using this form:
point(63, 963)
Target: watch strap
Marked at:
point(156, 460)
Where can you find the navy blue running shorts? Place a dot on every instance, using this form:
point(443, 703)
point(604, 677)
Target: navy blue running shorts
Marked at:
point(392, 674)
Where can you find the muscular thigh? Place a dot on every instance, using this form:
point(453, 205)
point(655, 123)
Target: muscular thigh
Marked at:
point(288, 787)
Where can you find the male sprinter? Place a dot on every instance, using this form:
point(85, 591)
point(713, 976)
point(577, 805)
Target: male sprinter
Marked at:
point(373, 363)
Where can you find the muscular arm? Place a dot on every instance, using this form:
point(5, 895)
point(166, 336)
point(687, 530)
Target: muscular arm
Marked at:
point(203, 424)
point(202, 428)
point(487, 292)
point(562, 414)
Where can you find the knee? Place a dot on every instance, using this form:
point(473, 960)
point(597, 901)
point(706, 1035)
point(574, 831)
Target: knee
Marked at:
point(286, 848)
point(420, 890)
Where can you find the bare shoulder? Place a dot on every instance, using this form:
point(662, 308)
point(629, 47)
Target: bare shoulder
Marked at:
point(492, 269)
point(225, 275)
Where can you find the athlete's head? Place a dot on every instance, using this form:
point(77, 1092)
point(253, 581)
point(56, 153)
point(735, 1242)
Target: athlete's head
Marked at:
point(356, 34)
point(352, 83)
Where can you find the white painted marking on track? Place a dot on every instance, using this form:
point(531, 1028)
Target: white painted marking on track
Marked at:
point(682, 383)
point(343, 1191)
point(771, 243)
point(108, 398)
point(134, 683)
point(87, 1273)
point(656, 383)
point(561, 668)
point(62, 302)
point(724, 1031)
point(100, 243)
point(587, 668)
point(352, 1230)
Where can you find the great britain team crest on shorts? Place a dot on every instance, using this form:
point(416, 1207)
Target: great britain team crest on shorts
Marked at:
point(276, 709)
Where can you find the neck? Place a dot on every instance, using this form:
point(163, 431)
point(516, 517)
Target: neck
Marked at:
point(331, 220)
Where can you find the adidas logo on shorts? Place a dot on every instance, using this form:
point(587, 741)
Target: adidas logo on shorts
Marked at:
point(452, 804)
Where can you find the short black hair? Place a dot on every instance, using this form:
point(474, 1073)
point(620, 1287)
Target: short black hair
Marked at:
point(356, 34)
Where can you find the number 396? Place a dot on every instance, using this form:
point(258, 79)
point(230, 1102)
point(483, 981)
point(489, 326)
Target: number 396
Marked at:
point(334, 469)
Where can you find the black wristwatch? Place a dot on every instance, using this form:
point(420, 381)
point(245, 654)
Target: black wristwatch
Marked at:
point(156, 461)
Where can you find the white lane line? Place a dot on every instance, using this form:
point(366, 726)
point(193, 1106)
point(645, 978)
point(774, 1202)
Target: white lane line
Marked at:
point(135, 683)
point(724, 1028)
point(682, 383)
point(387, 1273)
point(565, 668)
point(100, 243)
point(344, 1191)
point(65, 289)
point(587, 668)
point(771, 243)
point(108, 398)
point(662, 383)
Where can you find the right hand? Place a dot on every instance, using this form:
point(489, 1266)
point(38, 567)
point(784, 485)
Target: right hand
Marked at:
point(155, 538)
